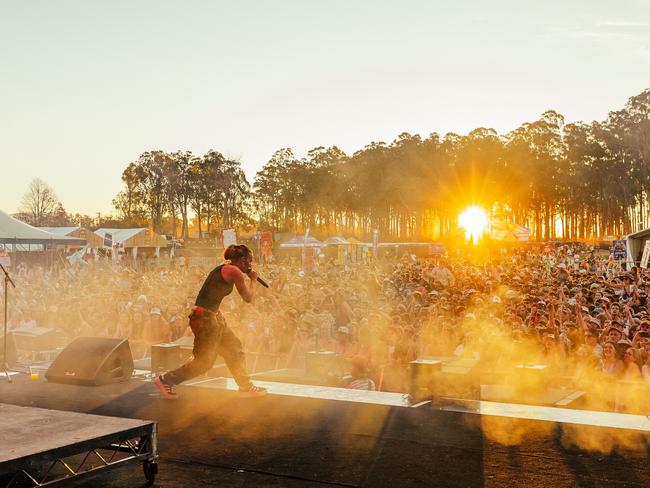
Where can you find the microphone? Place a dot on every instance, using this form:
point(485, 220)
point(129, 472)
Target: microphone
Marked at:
point(260, 280)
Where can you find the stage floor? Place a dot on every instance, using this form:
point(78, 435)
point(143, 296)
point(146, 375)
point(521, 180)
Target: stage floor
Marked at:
point(41, 446)
point(212, 437)
point(26, 431)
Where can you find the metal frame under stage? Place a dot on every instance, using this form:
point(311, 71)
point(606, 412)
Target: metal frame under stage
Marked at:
point(41, 447)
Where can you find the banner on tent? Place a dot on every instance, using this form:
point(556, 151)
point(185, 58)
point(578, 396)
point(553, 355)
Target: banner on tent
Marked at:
point(618, 250)
point(229, 237)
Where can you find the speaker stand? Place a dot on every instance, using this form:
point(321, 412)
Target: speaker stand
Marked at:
point(5, 365)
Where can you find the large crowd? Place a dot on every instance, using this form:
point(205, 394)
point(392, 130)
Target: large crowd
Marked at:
point(570, 308)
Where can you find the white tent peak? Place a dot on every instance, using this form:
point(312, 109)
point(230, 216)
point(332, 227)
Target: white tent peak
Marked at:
point(60, 231)
point(300, 241)
point(120, 235)
point(14, 231)
point(336, 240)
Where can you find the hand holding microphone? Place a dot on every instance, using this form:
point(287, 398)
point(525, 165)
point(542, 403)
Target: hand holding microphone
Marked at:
point(253, 276)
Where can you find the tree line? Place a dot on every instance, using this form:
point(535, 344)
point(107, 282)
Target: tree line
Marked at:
point(562, 180)
point(571, 181)
point(164, 188)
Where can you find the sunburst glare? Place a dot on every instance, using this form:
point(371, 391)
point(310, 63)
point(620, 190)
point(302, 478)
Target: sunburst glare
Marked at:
point(474, 221)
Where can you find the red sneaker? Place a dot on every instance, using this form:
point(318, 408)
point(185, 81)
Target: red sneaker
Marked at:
point(252, 391)
point(167, 391)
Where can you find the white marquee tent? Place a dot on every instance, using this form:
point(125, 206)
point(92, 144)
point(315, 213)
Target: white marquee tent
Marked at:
point(300, 242)
point(16, 232)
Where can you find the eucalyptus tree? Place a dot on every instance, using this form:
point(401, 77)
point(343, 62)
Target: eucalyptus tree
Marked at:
point(129, 202)
point(151, 182)
point(275, 193)
point(179, 181)
point(235, 195)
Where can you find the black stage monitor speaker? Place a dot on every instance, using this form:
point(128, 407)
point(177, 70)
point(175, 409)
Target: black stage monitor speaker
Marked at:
point(11, 350)
point(92, 361)
point(435, 378)
point(423, 374)
point(165, 356)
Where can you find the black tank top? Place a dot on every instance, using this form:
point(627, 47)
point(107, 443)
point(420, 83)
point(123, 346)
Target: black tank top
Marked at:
point(214, 289)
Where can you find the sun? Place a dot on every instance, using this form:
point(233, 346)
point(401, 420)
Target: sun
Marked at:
point(474, 221)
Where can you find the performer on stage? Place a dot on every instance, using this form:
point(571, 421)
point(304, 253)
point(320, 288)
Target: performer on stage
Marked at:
point(211, 334)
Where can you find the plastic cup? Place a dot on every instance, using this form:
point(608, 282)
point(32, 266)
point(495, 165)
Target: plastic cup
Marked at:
point(33, 373)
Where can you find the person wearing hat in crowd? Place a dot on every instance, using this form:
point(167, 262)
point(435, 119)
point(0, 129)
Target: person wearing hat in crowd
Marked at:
point(614, 332)
point(358, 378)
point(211, 333)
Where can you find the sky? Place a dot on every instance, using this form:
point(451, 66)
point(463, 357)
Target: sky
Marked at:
point(87, 86)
